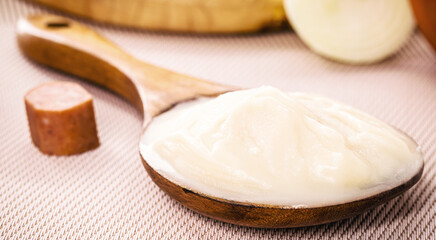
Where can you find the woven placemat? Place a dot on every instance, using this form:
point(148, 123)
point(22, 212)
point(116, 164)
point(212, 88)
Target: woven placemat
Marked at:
point(106, 193)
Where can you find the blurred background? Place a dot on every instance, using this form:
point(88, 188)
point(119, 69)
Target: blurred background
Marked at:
point(106, 193)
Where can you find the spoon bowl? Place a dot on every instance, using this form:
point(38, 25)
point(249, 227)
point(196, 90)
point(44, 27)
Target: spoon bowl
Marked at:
point(68, 46)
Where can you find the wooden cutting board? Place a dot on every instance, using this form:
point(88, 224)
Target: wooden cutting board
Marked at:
point(198, 16)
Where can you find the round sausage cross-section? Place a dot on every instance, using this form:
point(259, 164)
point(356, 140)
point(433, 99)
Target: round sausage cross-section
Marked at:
point(61, 118)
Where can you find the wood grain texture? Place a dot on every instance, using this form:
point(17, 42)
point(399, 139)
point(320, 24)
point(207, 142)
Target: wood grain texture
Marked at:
point(267, 216)
point(212, 16)
point(68, 46)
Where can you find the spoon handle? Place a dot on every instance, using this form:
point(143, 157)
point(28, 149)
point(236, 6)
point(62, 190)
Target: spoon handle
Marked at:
point(73, 48)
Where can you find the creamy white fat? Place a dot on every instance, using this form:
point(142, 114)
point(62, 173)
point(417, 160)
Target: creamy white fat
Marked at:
point(269, 147)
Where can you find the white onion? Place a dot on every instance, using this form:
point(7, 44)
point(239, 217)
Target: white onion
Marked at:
point(352, 31)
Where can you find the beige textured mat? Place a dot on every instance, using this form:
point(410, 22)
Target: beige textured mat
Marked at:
point(106, 193)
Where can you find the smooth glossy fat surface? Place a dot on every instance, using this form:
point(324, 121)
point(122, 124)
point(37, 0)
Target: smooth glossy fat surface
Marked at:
point(269, 147)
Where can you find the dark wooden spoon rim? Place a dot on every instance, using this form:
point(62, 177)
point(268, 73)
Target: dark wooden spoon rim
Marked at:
point(270, 216)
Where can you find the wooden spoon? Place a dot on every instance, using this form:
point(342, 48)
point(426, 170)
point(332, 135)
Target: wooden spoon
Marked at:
point(68, 46)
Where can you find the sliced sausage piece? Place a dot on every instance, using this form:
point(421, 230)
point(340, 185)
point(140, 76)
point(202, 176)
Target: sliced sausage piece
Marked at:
point(61, 118)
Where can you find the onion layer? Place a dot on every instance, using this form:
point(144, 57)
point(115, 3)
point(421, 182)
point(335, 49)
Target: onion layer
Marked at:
point(352, 31)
